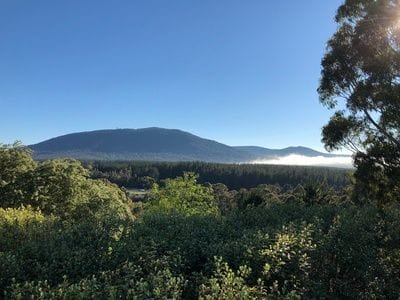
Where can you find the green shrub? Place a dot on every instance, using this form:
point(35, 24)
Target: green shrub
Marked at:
point(227, 284)
point(287, 265)
point(126, 282)
point(183, 195)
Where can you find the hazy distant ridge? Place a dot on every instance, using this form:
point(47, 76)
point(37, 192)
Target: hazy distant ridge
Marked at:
point(261, 152)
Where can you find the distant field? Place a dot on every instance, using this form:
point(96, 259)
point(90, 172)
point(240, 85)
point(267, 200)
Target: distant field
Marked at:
point(137, 194)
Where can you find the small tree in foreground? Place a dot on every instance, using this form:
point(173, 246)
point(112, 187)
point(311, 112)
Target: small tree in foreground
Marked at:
point(183, 195)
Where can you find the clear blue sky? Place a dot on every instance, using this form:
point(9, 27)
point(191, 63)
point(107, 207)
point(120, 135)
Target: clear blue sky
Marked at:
point(240, 72)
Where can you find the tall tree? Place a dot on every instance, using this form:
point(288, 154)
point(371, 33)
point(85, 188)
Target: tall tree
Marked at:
point(15, 163)
point(361, 81)
point(59, 187)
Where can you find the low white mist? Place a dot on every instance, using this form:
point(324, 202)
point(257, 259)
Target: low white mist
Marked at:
point(301, 160)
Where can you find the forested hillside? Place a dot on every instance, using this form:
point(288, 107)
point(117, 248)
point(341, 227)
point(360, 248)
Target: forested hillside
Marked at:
point(142, 174)
point(139, 144)
point(155, 144)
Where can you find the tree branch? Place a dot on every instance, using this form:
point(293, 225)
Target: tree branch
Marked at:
point(381, 130)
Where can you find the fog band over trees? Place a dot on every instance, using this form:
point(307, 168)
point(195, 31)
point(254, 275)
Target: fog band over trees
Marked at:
point(301, 160)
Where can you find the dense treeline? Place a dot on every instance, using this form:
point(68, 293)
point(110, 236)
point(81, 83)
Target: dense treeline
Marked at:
point(66, 236)
point(140, 174)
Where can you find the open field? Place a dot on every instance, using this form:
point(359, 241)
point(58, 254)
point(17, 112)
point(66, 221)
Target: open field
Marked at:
point(137, 194)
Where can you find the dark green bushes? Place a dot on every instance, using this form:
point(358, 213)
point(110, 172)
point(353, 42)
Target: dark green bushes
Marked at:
point(189, 241)
point(278, 251)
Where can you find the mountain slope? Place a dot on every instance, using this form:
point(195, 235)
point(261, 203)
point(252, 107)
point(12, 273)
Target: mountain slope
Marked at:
point(146, 144)
point(155, 144)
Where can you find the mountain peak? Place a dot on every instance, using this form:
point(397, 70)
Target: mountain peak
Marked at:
point(154, 143)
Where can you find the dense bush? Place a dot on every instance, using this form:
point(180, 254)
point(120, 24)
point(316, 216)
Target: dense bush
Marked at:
point(66, 236)
point(58, 187)
point(126, 282)
point(183, 196)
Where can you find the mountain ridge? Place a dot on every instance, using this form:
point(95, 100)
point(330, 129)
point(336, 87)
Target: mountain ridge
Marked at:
point(155, 143)
point(300, 150)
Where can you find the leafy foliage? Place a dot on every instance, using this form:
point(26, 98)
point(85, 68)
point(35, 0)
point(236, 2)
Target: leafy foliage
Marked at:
point(361, 71)
point(59, 187)
point(66, 236)
point(15, 162)
point(227, 284)
point(183, 195)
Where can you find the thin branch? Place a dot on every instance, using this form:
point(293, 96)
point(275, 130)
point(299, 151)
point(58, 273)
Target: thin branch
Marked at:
point(381, 130)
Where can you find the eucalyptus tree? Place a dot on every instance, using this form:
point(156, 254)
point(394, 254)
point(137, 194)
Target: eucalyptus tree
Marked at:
point(361, 82)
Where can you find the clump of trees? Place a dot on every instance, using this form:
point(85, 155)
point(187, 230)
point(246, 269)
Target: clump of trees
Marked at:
point(61, 188)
